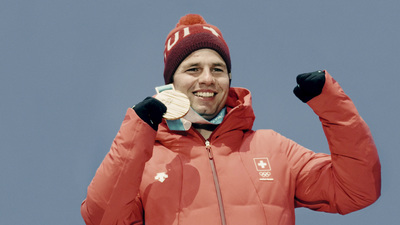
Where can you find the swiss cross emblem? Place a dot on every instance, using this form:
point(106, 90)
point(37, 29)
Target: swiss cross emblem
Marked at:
point(264, 168)
point(262, 164)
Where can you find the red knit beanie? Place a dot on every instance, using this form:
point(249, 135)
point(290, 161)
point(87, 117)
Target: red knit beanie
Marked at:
point(190, 34)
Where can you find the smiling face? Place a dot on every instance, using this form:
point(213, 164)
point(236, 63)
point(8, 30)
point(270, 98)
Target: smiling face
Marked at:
point(203, 77)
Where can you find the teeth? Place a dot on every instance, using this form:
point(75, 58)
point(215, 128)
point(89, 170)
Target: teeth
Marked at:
point(204, 94)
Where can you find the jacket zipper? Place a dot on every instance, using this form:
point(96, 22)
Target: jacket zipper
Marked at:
point(216, 182)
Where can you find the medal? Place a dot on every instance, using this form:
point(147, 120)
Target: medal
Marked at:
point(177, 104)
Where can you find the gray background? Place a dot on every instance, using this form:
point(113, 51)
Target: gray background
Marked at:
point(70, 69)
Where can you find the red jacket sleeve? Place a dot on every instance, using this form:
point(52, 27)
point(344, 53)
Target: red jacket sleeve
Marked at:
point(350, 178)
point(112, 194)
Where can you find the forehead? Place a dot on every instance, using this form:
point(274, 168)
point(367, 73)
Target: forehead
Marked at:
point(203, 56)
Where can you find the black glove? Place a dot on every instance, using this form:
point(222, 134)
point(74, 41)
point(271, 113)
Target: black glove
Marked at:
point(150, 110)
point(309, 85)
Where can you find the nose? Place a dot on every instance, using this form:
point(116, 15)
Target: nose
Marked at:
point(206, 77)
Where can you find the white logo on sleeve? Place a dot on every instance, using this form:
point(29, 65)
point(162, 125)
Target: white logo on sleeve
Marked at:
point(161, 176)
point(264, 168)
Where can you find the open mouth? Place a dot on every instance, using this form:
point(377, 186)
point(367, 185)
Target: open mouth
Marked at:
point(204, 94)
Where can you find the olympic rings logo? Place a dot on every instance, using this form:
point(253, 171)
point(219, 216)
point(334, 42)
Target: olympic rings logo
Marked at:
point(265, 174)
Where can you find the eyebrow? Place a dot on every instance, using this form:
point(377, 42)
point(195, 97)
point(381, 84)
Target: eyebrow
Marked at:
point(198, 64)
point(219, 64)
point(191, 64)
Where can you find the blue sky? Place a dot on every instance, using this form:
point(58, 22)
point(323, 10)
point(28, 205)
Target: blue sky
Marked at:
point(70, 69)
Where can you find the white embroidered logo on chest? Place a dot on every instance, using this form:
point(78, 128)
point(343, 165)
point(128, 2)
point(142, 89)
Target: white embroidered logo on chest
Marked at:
point(161, 176)
point(264, 168)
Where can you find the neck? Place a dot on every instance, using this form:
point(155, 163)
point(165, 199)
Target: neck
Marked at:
point(205, 129)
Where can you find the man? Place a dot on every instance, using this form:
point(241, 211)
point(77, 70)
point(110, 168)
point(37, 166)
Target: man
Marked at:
point(220, 171)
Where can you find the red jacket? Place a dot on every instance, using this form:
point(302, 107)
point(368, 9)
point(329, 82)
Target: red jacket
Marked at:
point(238, 176)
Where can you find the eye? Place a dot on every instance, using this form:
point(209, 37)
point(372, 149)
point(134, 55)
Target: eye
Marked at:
point(192, 69)
point(218, 70)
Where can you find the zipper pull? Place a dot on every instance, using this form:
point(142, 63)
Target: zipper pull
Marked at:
point(208, 148)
